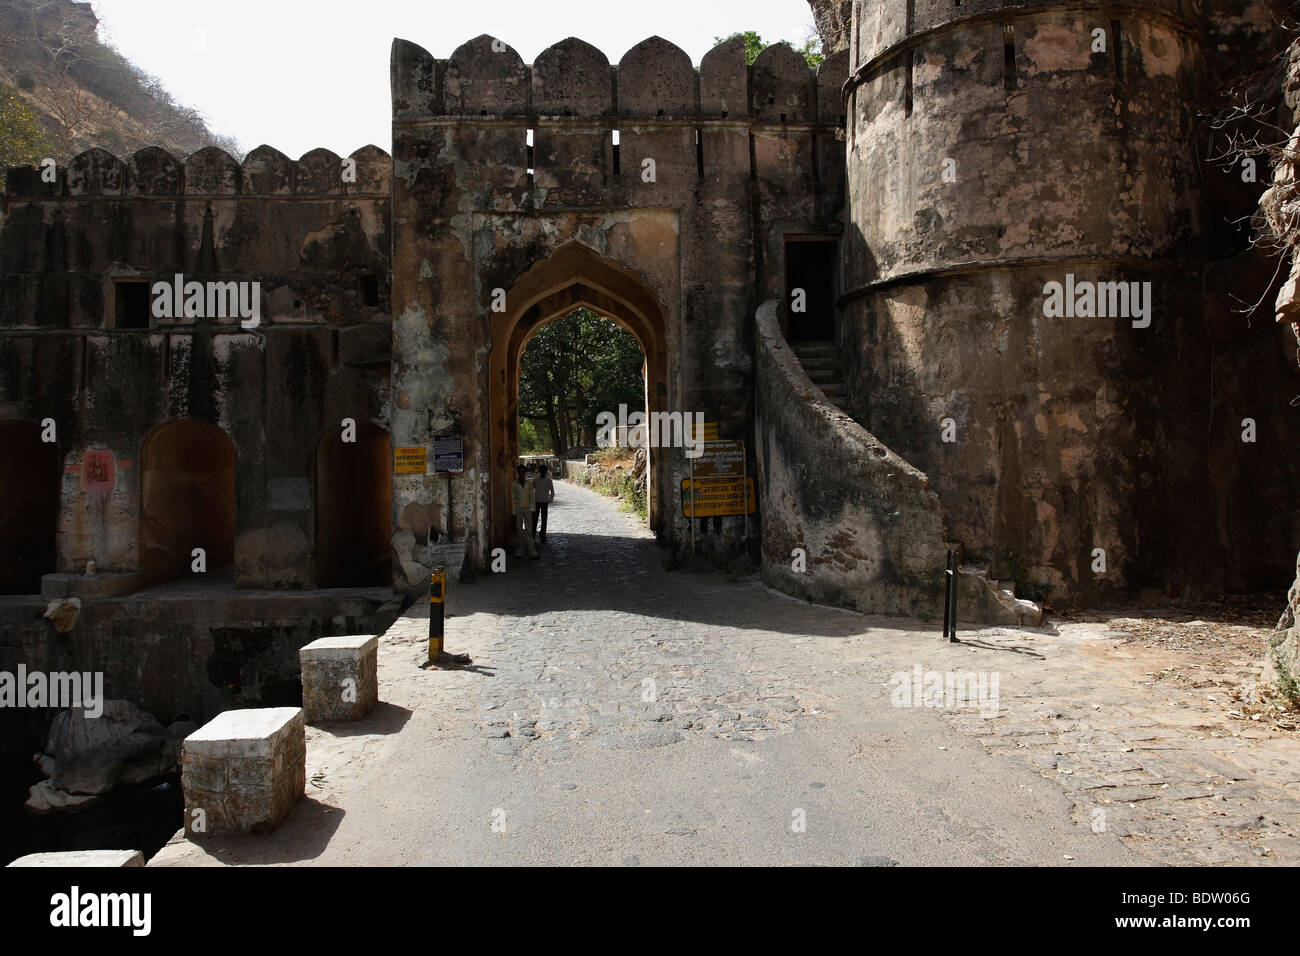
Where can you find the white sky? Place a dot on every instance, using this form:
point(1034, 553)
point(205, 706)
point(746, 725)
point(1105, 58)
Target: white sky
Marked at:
point(297, 75)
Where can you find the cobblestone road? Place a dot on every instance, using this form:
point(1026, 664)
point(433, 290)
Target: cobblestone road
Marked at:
point(615, 713)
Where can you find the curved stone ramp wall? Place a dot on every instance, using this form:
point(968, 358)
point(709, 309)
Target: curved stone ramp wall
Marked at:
point(868, 521)
point(869, 525)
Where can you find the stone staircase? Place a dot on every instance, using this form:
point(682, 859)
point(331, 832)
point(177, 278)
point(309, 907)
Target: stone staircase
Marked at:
point(821, 360)
point(982, 600)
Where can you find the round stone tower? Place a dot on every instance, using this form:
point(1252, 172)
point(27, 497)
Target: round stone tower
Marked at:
point(1016, 316)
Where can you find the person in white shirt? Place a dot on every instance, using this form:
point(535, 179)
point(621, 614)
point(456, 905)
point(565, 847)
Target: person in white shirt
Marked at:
point(544, 494)
point(522, 500)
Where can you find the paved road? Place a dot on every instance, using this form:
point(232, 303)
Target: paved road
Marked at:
point(618, 713)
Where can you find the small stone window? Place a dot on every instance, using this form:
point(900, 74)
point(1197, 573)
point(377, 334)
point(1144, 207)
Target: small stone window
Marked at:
point(131, 305)
point(368, 290)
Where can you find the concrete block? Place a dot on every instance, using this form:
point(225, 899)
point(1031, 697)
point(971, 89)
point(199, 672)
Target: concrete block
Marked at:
point(340, 677)
point(244, 770)
point(104, 858)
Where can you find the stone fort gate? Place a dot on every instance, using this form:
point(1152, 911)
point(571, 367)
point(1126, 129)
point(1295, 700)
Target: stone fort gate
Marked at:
point(656, 194)
point(685, 203)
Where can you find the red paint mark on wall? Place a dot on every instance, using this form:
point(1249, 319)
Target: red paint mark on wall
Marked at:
point(98, 471)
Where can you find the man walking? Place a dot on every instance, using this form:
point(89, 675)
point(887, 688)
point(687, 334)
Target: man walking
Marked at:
point(522, 501)
point(544, 492)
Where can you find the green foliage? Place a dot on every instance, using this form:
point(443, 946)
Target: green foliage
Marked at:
point(1286, 682)
point(25, 80)
point(22, 142)
point(619, 484)
point(573, 369)
point(530, 441)
point(754, 45)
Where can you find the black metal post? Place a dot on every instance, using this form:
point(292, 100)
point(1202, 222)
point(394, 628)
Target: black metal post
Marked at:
point(955, 560)
point(947, 596)
point(437, 590)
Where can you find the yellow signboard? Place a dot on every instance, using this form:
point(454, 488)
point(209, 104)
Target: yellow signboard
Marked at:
point(705, 431)
point(410, 460)
point(717, 497)
point(720, 459)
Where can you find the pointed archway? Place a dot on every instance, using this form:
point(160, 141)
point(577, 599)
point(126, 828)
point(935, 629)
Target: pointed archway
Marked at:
point(187, 497)
point(29, 507)
point(574, 275)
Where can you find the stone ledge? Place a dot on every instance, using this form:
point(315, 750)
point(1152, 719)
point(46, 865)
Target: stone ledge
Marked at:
point(82, 858)
point(245, 733)
point(346, 647)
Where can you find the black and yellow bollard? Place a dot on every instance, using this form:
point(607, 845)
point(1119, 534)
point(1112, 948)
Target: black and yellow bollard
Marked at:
point(437, 594)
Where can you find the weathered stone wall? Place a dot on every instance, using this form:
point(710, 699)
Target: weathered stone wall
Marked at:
point(741, 158)
point(320, 354)
point(868, 523)
point(177, 657)
point(1071, 434)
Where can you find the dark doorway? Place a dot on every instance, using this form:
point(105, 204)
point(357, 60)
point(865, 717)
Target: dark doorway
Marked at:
point(354, 509)
point(187, 497)
point(810, 268)
point(29, 507)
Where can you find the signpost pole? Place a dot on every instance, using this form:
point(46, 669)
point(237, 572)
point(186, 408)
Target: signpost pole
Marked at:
point(692, 465)
point(450, 536)
point(744, 492)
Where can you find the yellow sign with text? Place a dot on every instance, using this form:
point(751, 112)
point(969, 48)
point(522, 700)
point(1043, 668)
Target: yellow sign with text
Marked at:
point(410, 460)
point(705, 431)
point(717, 497)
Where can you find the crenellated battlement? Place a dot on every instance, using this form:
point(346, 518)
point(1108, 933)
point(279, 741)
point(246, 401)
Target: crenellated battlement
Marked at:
point(880, 29)
point(655, 80)
point(153, 172)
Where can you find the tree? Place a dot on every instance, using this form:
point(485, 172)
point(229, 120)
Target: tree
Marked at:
point(59, 34)
point(575, 368)
point(85, 91)
point(754, 45)
point(22, 142)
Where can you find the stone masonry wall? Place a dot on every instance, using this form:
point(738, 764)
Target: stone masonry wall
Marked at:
point(1071, 434)
point(321, 352)
point(743, 156)
point(868, 523)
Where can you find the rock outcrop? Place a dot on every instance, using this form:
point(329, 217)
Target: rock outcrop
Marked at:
point(86, 758)
point(1286, 641)
point(834, 19)
point(1280, 206)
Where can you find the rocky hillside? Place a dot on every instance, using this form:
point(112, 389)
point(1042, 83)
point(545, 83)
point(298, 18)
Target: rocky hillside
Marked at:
point(82, 92)
point(834, 19)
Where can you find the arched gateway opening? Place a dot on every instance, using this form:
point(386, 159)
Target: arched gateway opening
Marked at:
point(29, 507)
point(353, 508)
point(187, 498)
point(571, 277)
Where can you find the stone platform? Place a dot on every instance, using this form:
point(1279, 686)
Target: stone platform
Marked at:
point(340, 677)
point(244, 770)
